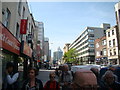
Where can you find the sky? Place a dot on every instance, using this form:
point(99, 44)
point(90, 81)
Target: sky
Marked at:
point(64, 21)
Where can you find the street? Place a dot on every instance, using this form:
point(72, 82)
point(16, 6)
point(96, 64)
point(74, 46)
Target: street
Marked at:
point(69, 38)
point(44, 75)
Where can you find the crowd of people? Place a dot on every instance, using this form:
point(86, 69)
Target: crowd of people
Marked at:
point(107, 78)
point(11, 80)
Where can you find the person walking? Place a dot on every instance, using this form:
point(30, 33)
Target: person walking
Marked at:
point(52, 84)
point(109, 81)
point(117, 73)
point(97, 74)
point(32, 83)
point(66, 78)
point(10, 81)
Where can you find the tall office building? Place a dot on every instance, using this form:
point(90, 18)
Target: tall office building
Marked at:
point(46, 49)
point(40, 28)
point(57, 55)
point(84, 44)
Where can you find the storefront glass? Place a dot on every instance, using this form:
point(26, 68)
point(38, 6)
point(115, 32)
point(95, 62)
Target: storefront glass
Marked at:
point(8, 57)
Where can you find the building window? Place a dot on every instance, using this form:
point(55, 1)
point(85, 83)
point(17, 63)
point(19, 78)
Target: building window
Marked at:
point(114, 51)
point(110, 52)
point(90, 30)
point(105, 32)
point(98, 53)
point(97, 45)
point(108, 34)
point(19, 7)
point(116, 17)
point(17, 30)
point(113, 42)
point(7, 18)
point(104, 51)
point(91, 45)
point(113, 32)
point(23, 14)
point(3, 11)
point(90, 40)
point(110, 43)
point(91, 50)
point(103, 42)
point(119, 13)
point(101, 53)
point(91, 35)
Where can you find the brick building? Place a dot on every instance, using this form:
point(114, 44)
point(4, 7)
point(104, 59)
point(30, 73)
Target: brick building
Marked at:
point(101, 50)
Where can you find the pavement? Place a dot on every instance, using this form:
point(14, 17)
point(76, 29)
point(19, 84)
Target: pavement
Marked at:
point(44, 75)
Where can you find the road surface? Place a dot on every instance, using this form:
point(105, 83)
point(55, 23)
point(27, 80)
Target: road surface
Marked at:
point(44, 75)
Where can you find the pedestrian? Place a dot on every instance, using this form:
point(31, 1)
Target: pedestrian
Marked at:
point(52, 84)
point(84, 80)
point(57, 72)
point(102, 71)
point(109, 82)
point(97, 74)
point(32, 83)
point(66, 78)
point(117, 73)
point(10, 81)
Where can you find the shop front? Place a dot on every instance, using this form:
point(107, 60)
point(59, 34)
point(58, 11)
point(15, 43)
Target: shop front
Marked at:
point(26, 54)
point(9, 48)
point(102, 60)
point(113, 61)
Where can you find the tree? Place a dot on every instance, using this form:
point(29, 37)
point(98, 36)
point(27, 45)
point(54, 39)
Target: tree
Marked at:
point(70, 56)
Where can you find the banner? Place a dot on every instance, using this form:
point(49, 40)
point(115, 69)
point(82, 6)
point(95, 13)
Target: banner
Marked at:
point(25, 49)
point(8, 41)
point(23, 26)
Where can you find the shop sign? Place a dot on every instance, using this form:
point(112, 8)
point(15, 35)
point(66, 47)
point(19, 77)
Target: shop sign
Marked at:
point(27, 50)
point(23, 26)
point(8, 41)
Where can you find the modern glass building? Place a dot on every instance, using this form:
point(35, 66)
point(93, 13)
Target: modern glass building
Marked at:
point(84, 44)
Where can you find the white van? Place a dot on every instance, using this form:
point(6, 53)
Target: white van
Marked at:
point(86, 67)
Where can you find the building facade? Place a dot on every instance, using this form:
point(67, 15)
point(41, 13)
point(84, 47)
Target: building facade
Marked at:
point(112, 45)
point(40, 28)
point(84, 44)
point(18, 42)
point(57, 56)
point(101, 56)
point(46, 50)
point(117, 12)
